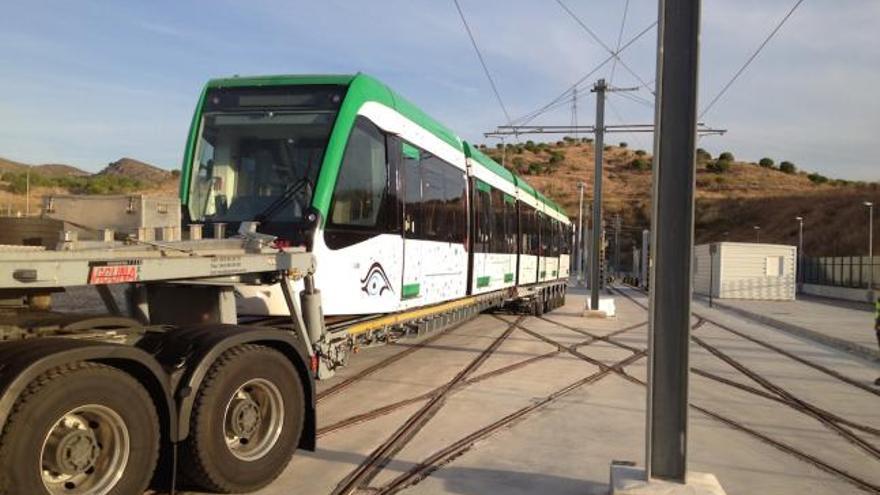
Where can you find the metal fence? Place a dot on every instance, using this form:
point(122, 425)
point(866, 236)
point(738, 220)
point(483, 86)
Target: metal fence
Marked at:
point(841, 271)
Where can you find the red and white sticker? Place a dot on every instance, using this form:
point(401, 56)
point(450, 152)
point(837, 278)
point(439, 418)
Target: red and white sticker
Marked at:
point(113, 274)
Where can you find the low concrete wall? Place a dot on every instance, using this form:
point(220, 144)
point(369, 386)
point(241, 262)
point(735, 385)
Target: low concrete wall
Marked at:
point(845, 293)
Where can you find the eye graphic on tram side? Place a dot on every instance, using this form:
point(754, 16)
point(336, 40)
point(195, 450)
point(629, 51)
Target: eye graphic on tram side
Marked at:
point(376, 282)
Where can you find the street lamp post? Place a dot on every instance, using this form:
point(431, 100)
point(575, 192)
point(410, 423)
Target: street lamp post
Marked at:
point(870, 207)
point(757, 233)
point(800, 265)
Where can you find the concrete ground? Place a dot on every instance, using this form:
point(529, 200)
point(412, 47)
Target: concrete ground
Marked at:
point(846, 324)
point(756, 436)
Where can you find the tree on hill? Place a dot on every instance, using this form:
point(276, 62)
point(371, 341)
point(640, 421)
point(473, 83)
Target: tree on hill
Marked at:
point(623, 144)
point(787, 167)
point(728, 156)
point(766, 162)
point(718, 166)
point(640, 164)
point(817, 178)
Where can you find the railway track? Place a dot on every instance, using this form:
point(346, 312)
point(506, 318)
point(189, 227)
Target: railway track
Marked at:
point(389, 408)
point(342, 385)
point(780, 395)
point(816, 366)
point(443, 456)
point(363, 474)
point(360, 478)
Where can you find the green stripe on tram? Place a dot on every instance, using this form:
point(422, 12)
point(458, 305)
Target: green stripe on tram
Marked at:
point(482, 281)
point(410, 291)
point(508, 277)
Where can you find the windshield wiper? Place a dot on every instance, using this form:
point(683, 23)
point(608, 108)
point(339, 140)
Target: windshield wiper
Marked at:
point(282, 201)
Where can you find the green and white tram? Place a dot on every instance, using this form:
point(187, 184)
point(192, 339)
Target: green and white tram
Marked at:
point(399, 211)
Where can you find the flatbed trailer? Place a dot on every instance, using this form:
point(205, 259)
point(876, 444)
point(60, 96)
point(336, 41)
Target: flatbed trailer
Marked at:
point(116, 402)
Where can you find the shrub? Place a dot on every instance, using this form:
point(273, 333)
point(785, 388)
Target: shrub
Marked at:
point(622, 144)
point(518, 149)
point(499, 146)
point(535, 168)
point(530, 145)
point(766, 162)
point(787, 167)
point(640, 164)
point(718, 166)
point(641, 152)
point(556, 156)
point(587, 140)
point(568, 139)
point(560, 143)
point(727, 156)
point(817, 178)
point(607, 147)
point(703, 156)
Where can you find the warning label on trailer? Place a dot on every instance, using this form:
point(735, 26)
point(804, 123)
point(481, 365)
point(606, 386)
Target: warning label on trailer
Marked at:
point(114, 272)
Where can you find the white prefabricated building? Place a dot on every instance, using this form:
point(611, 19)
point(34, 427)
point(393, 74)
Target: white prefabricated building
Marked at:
point(744, 270)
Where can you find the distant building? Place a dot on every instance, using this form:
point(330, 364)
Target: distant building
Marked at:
point(741, 270)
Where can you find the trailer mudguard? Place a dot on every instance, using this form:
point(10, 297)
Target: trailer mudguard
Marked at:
point(23, 361)
point(194, 349)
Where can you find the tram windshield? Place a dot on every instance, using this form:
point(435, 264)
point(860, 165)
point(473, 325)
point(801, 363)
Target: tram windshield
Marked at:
point(259, 152)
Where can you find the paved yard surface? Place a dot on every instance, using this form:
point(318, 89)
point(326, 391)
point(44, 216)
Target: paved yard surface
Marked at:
point(543, 405)
point(834, 322)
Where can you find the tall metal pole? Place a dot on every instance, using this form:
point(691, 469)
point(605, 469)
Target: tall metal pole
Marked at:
point(27, 192)
point(643, 277)
point(587, 234)
point(672, 237)
point(579, 245)
point(870, 206)
point(598, 146)
point(800, 257)
point(617, 242)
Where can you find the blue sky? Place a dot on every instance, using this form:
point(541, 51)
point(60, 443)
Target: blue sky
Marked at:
point(87, 82)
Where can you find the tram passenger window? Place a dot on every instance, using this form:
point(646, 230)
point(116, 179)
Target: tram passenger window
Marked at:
point(456, 206)
point(499, 236)
point(412, 190)
point(434, 197)
point(361, 187)
point(510, 221)
point(483, 217)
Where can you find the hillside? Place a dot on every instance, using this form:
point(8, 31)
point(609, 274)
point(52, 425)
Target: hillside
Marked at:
point(137, 170)
point(47, 169)
point(732, 197)
point(124, 176)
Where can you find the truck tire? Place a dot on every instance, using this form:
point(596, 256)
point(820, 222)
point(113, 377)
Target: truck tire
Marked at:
point(92, 430)
point(246, 423)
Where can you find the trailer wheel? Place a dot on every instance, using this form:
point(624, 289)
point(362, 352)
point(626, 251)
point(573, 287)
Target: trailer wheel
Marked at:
point(246, 423)
point(538, 305)
point(80, 429)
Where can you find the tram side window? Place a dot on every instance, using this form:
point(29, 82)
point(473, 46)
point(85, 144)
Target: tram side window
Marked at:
point(434, 197)
point(529, 243)
point(483, 217)
point(510, 223)
point(362, 201)
point(499, 236)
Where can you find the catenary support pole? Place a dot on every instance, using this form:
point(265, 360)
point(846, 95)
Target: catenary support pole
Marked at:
point(672, 237)
point(579, 245)
point(643, 277)
point(595, 249)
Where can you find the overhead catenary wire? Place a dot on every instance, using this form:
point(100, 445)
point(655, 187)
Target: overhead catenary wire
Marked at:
point(601, 43)
point(525, 119)
point(619, 40)
point(751, 58)
point(482, 61)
